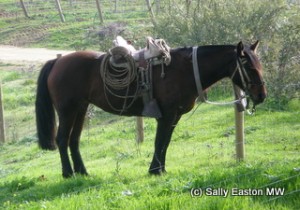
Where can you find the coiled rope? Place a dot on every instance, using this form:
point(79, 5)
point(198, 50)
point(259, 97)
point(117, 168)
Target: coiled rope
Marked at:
point(117, 80)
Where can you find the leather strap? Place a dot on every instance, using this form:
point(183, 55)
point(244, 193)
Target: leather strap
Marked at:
point(201, 96)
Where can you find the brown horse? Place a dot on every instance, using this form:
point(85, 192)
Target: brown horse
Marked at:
point(69, 84)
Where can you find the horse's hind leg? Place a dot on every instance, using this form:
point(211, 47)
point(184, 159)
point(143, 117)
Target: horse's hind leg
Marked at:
point(66, 121)
point(74, 141)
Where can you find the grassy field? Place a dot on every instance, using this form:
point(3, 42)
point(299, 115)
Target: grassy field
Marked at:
point(201, 157)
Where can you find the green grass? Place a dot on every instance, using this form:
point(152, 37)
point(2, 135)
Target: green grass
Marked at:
point(201, 156)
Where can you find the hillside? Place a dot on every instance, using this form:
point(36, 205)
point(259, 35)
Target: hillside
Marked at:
point(81, 29)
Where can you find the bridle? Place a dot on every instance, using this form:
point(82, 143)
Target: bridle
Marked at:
point(245, 79)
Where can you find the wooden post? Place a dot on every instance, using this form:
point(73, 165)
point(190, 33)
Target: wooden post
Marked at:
point(24, 9)
point(239, 128)
point(2, 125)
point(139, 130)
point(60, 11)
point(239, 134)
point(99, 11)
point(151, 13)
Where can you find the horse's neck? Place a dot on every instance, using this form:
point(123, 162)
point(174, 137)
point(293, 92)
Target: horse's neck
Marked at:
point(215, 63)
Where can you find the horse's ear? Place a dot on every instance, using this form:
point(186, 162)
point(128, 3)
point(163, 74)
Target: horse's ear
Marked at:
point(254, 46)
point(240, 49)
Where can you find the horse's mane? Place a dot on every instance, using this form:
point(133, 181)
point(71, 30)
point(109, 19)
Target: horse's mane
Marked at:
point(186, 50)
point(204, 47)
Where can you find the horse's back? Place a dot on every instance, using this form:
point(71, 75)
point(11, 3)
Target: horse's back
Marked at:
point(76, 60)
point(73, 76)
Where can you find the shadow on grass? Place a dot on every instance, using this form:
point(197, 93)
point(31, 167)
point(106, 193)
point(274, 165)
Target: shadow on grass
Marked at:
point(269, 184)
point(34, 189)
point(261, 176)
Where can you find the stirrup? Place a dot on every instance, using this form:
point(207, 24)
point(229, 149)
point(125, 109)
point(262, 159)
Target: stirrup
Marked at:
point(151, 109)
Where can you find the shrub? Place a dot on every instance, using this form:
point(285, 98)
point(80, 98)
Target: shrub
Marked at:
point(277, 25)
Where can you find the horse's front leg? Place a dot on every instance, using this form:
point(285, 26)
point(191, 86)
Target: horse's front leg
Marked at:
point(165, 128)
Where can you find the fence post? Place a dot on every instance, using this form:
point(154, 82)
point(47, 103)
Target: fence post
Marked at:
point(60, 11)
point(151, 13)
point(2, 125)
point(99, 11)
point(239, 128)
point(139, 130)
point(24, 8)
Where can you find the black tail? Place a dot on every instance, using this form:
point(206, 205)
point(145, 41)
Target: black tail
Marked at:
point(44, 110)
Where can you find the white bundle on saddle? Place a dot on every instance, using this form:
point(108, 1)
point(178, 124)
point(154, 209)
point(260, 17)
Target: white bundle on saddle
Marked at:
point(121, 42)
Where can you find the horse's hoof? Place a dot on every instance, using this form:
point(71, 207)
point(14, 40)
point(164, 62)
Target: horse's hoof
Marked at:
point(67, 175)
point(84, 173)
point(157, 172)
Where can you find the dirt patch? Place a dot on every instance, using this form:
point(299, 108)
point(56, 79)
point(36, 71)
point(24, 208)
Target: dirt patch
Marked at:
point(26, 36)
point(18, 35)
point(5, 14)
point(9, 54)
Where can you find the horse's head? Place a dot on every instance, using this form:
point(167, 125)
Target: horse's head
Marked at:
point(248, 74)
